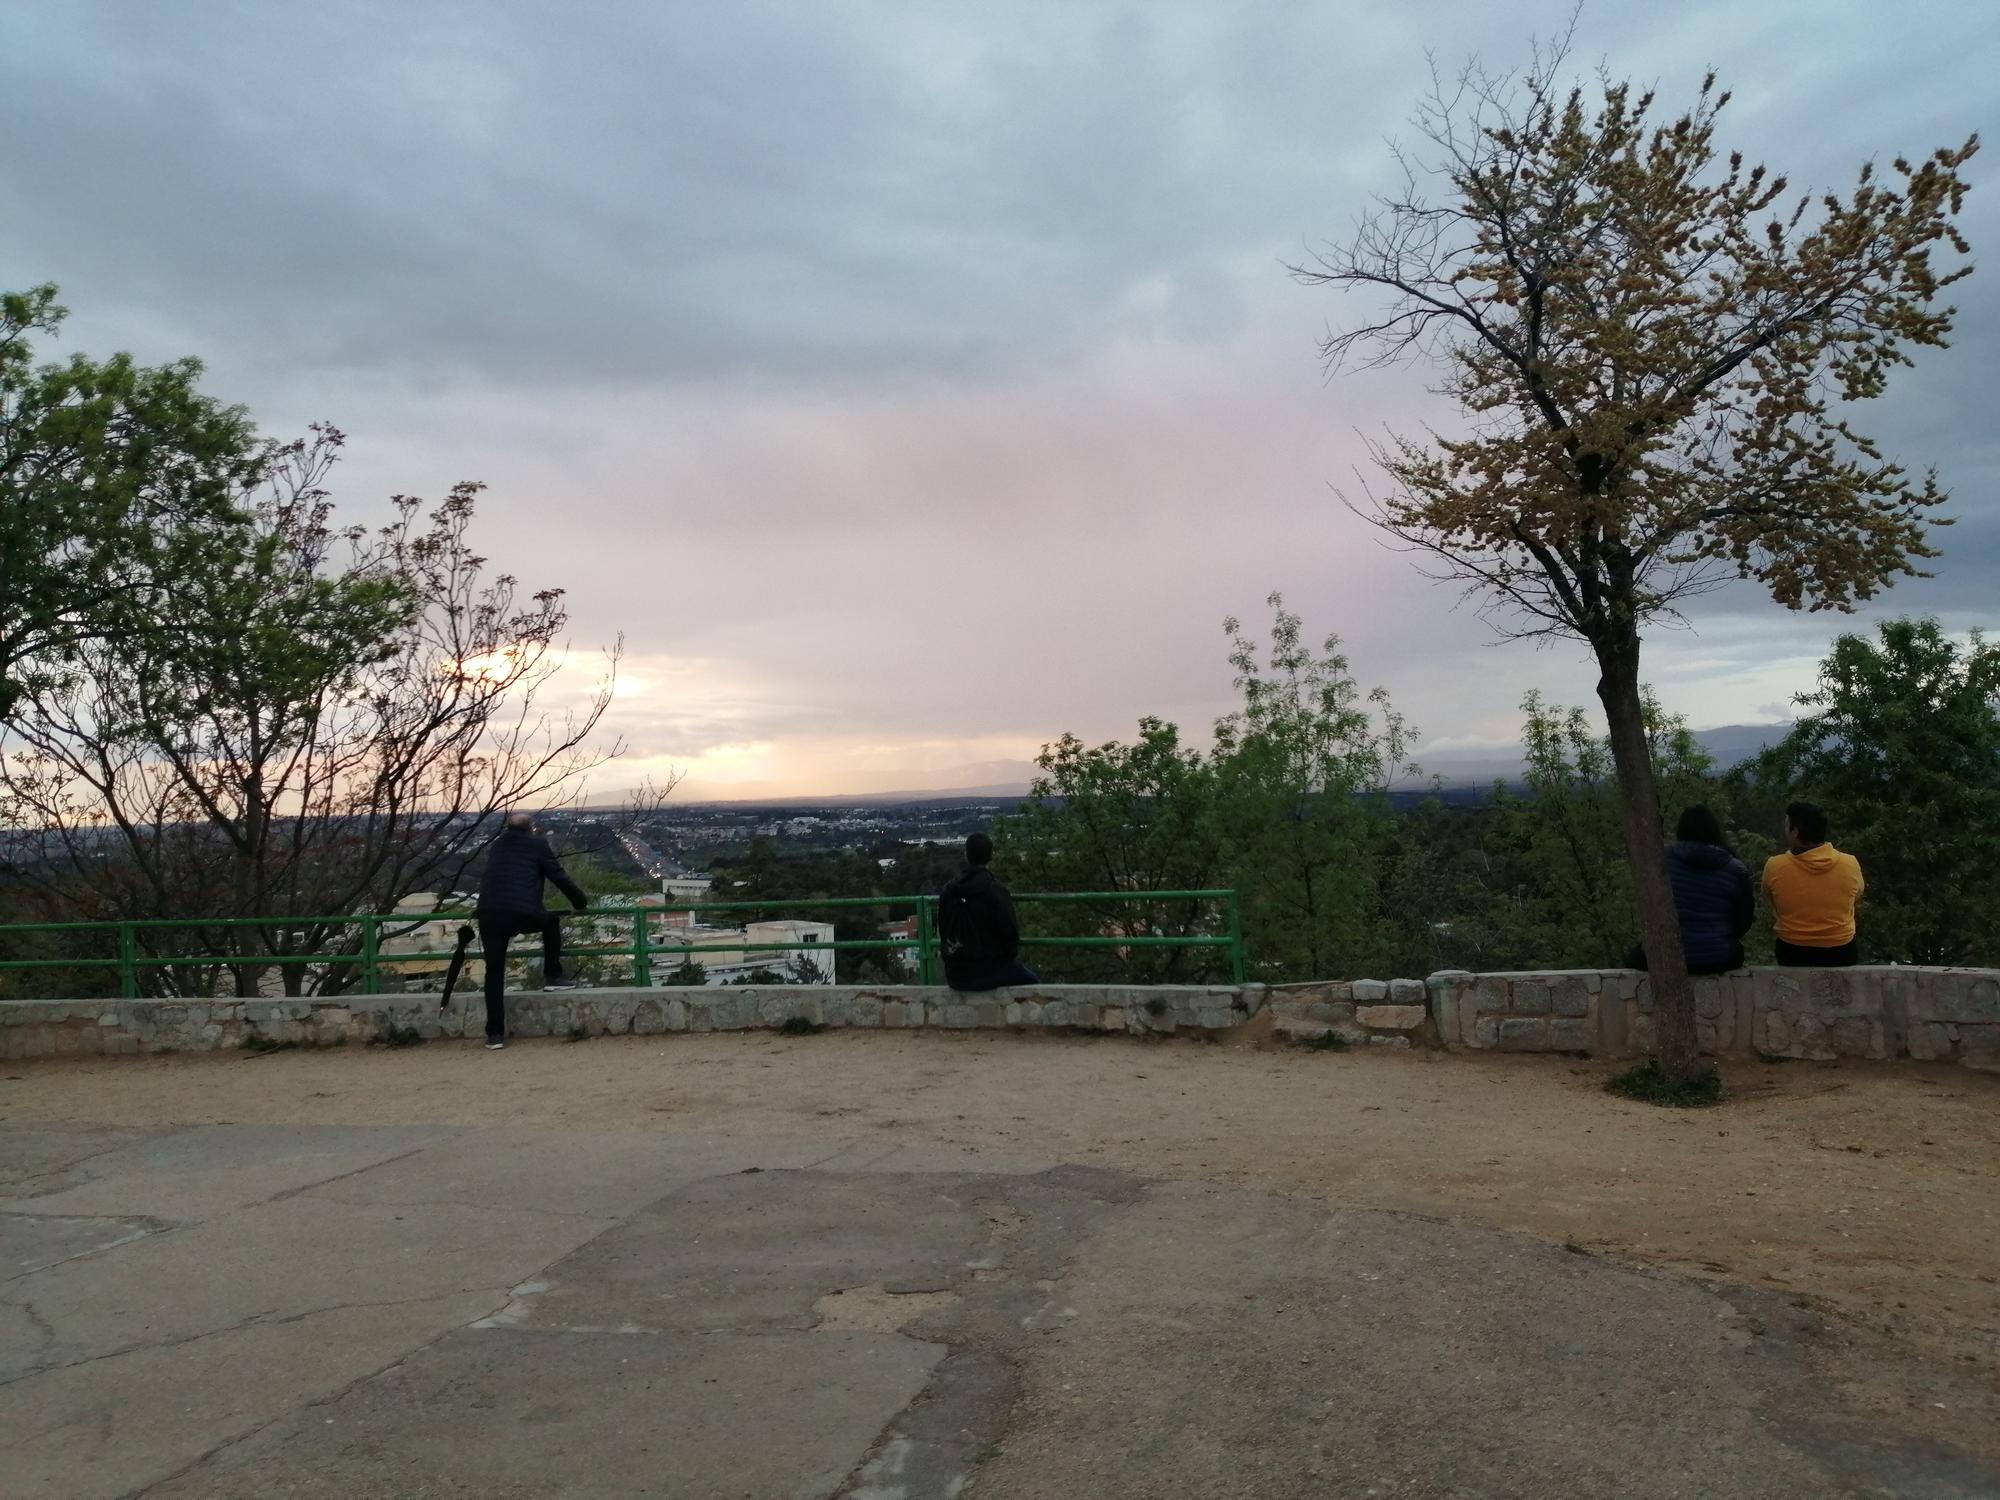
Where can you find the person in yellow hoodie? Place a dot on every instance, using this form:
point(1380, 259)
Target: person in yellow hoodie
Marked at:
point(1813, 890)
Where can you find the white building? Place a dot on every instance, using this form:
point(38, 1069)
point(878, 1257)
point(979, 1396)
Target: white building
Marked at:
point(732, 953)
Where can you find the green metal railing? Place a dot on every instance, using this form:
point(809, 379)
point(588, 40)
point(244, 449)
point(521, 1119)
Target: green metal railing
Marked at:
point(643, 949)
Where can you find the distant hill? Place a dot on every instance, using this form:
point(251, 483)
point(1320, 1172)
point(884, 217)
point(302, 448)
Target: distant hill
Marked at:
point(1731, 745)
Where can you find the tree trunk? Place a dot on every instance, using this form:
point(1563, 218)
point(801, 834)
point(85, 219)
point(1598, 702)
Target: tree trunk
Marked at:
point(1659, 925)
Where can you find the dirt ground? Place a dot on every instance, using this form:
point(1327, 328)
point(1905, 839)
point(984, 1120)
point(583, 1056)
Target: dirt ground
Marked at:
point(1868, 1192)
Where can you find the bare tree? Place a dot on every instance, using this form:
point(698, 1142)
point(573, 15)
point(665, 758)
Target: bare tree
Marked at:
point(329, 720)
point(1650, 354)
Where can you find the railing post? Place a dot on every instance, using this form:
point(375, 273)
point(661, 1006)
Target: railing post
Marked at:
point(1237, 970)
point(926, 941)
point(642, 960)
point(371, 942)
point(128, 971)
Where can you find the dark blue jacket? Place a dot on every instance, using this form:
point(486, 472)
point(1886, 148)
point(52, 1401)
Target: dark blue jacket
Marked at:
point(1712, 895)
point(517, 863)
point(976, 931)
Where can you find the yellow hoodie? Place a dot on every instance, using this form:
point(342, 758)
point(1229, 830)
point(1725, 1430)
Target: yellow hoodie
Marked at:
point(1812, 894)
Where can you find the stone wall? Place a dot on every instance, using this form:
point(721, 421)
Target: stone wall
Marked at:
point(47, 1028)
point(1943, 1015)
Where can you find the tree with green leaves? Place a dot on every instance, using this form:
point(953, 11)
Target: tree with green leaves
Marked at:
point(326, 720)
point(688, 973)
point(1138, 817)
point(1571, 902)
point(1295, 766)
point(114, 478)
point(1654, 355)
point(1901, 744)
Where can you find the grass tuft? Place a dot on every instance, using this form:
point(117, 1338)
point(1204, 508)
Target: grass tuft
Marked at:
point(1649, 1085)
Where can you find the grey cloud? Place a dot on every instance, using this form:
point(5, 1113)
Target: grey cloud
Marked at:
point(931, 373)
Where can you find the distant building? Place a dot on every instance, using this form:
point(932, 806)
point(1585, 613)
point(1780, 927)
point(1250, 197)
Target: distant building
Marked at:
point(731, 953)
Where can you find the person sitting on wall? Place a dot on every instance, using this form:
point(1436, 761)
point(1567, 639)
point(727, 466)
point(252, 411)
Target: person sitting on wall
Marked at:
point(510, 903)
point(1813, 889)
point(1712, 896)
point(977, 933)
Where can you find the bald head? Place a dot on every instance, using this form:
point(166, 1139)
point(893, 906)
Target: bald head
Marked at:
point(520, 820)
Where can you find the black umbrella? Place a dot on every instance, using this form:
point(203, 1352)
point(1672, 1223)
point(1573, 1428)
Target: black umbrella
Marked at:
point(465, 936)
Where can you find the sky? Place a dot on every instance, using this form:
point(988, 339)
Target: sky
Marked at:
point(906, 384)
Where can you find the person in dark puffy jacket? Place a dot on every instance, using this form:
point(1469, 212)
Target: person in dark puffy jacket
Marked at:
point(978, 935)
point(510, 903)
point(1712, 895)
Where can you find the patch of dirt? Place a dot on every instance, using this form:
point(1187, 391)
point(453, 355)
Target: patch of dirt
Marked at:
point(870, 1309)
point(1869, 1193)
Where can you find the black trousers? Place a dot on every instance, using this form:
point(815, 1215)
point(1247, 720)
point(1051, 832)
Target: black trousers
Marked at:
point(1636, 959)
point(1798, 956)
point(495, 928)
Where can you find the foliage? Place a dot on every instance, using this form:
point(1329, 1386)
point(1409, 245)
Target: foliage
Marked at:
point(1575, 898)
point(1902, 747)
point(1650, 1085)
point(1295, 765)
point(327, 720)
point(688, 973)
point(1648, 349)
point(1133, 817)
point(114, 478)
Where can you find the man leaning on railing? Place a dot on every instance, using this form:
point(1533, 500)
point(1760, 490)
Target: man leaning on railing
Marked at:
point(510, 903)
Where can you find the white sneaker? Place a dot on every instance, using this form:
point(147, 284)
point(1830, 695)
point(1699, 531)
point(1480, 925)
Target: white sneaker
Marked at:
point(561, 984)
point(494, 1044)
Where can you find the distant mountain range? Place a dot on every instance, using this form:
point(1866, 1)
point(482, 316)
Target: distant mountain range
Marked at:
point(1731, 745)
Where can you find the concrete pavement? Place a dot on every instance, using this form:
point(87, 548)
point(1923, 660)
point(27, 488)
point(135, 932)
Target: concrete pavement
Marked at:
point(238, 1311)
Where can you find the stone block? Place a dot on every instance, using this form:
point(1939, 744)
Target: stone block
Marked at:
point(1218, 1020)
point(1388, 1041)
point(1112, 1018)
point(1391, 1017)
point(1485, 1032)
point(1522, 1035)
point(1857, 1036)
point(1566, 1035)
point(1407, 991)
point(1966, 997)
point(1489, 996)
point(1569, 996)
point(1707, 998)
point(865, 1010)
point(1329, 1013)
point(1979, 1047)
point(1530, 997)
point(959, 1017)
point(1369, 991)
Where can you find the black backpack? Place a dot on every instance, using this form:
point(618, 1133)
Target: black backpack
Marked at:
point(957, 933)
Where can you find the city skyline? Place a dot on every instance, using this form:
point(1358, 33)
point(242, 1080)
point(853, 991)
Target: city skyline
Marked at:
point(907, 391)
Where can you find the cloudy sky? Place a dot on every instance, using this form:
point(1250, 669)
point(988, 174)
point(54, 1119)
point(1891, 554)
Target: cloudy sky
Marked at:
point(906, 384)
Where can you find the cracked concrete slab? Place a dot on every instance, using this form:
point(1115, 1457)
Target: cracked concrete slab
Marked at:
point(280, 1259)
point(494, 1414)
point(1350, 1353)
point(112, 1426)
point(45, 1158)
point(758, 1250)
point(558, 1313)
point(621, 1172)
point(34, 1242)
point(192, 1175)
